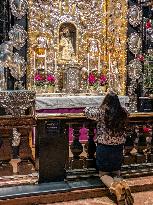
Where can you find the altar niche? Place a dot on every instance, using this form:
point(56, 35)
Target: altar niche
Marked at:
point(67, 42)
point(83, 42)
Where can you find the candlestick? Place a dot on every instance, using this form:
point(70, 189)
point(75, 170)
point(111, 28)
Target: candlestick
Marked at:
point(34, 65)
point(99, 64)
point(55, 63)
point(45, 61)
point(134, 73)
point(73, 9)
point(60, 7)
point(88, 64)
point(109, 69)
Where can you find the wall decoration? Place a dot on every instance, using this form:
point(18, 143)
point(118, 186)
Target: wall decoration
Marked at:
point(18, 67)
point(135, 43)
point(134, 15)
point(18, 8)
point(135, 69)
point(18, 36)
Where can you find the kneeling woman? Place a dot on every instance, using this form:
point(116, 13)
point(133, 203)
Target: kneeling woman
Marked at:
point(111, 126)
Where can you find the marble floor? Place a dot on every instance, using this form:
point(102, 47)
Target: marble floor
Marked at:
point(141, 198)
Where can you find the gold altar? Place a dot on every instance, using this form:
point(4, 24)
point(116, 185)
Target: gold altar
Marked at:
point(89, 36)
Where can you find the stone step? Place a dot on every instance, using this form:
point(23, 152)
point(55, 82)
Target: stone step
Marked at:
point(140, 198)
point(64, 191)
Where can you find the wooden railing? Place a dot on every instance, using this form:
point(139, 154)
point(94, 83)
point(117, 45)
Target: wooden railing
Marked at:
point(23, 126)
point(17, 119)
point(59, 159)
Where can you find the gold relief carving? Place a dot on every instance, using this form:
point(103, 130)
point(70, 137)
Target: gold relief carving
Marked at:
point(104, 21)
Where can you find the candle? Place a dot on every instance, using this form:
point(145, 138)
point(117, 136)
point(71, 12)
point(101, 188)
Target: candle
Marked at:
point(34, 65)
point(34, 61)
point(109, 68)
point(99, 64)
point(109, 62)
point(55, 63)
point(60, 7)
point(73, 9)
point(134, 73)
point(88, 64)
point(45, 61)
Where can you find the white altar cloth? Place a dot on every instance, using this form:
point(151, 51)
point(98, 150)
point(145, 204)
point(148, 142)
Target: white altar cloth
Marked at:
point(46, 102)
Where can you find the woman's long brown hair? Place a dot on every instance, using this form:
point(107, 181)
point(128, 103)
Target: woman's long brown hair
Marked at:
point(115, 116)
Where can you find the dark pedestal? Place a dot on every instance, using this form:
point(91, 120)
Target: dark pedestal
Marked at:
point(53, 150)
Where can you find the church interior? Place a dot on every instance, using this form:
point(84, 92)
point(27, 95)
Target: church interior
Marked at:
point(58, 57)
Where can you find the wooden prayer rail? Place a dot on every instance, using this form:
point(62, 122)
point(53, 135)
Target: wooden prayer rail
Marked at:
point(41, 116)
point(52, 142)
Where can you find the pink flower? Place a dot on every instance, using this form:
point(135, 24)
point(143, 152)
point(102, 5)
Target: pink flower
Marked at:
point(148, 24)
point(103, 80)
point(38, 77)
point(140, 58)
point(147, 130)
point(51, 79)
point(92, 79)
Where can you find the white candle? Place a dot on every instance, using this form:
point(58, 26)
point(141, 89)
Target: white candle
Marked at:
point(34, 60)
point(45, 61)
point(134, 72)
point(109, 62)
point(109, 68)
point(88, 64)
point(99, 64)
point(34, 65)
point(55, 63)
point(60, 7)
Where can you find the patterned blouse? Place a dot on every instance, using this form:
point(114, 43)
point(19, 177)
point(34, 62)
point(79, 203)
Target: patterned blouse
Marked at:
point(104, 135)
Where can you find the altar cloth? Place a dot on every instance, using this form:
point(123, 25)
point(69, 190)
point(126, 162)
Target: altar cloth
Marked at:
point(73, 102)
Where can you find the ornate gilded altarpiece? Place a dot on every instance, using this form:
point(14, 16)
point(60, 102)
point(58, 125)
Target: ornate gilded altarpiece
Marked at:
point(74, 43)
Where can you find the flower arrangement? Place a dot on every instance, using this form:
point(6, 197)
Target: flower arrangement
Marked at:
point(102, 80)
point(50, 80)
point(147, 131)
point(39, 79)
point(92, 79)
